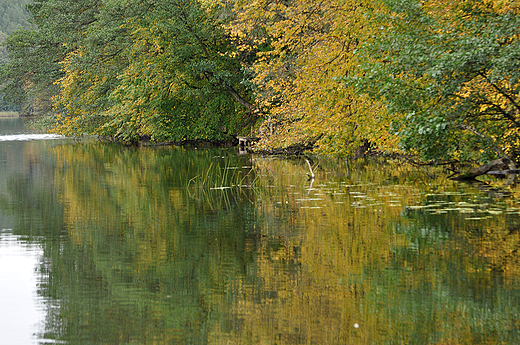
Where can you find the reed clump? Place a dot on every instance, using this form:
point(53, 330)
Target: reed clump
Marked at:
point(219, 183)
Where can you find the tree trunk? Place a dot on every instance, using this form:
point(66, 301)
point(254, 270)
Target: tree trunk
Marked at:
point(497, 164)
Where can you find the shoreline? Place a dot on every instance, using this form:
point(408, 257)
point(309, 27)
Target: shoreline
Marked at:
point(9, 114)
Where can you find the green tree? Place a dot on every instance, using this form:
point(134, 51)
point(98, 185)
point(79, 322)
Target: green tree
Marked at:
point(170, 76)
point(128, 69)
point(449, 72)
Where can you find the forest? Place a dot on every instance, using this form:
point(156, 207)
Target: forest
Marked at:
point(434, 79)
point(12, 19)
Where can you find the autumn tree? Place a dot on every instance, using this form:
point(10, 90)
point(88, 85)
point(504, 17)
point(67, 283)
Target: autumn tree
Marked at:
point(304, 49)
point(167, 75)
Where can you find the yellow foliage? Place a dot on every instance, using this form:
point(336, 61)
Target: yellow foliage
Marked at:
point(301, 76)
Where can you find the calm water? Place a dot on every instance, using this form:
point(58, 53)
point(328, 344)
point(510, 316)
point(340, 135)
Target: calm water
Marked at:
point(104, 244)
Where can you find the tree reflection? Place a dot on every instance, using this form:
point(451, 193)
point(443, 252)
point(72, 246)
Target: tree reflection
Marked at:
point(168, 245)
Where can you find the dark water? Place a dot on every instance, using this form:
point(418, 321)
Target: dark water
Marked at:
point(104, 244)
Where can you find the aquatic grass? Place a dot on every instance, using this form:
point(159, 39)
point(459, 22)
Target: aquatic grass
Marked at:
point(266, 178)
point(217, 184)
point(215, 177)
point(282, 181)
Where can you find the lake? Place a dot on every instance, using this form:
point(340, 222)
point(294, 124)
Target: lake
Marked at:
point(106, 244)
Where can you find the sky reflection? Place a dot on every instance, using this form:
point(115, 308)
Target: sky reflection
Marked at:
point(21, 311)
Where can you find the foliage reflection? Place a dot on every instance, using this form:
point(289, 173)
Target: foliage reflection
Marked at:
point(173, 245)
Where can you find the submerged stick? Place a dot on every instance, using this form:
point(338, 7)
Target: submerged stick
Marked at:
point(311, 176)
point(310, 186)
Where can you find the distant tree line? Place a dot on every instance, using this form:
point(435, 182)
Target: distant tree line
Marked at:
point(13, 17)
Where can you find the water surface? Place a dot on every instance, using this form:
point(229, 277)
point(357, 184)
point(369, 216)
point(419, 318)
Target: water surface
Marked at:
point(21, 315)
point(171, 245)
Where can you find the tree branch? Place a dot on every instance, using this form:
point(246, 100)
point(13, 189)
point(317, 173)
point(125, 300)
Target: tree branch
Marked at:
point(502, 92)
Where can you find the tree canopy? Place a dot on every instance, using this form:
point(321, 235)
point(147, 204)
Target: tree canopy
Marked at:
point(432, 78)
point(450, 74)
point(157, 69)
point(310, 50)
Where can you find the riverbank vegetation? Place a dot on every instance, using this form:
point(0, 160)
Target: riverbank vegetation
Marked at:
point(435, 79)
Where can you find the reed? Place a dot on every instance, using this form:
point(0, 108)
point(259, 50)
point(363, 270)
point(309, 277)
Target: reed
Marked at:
point(222, 183)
